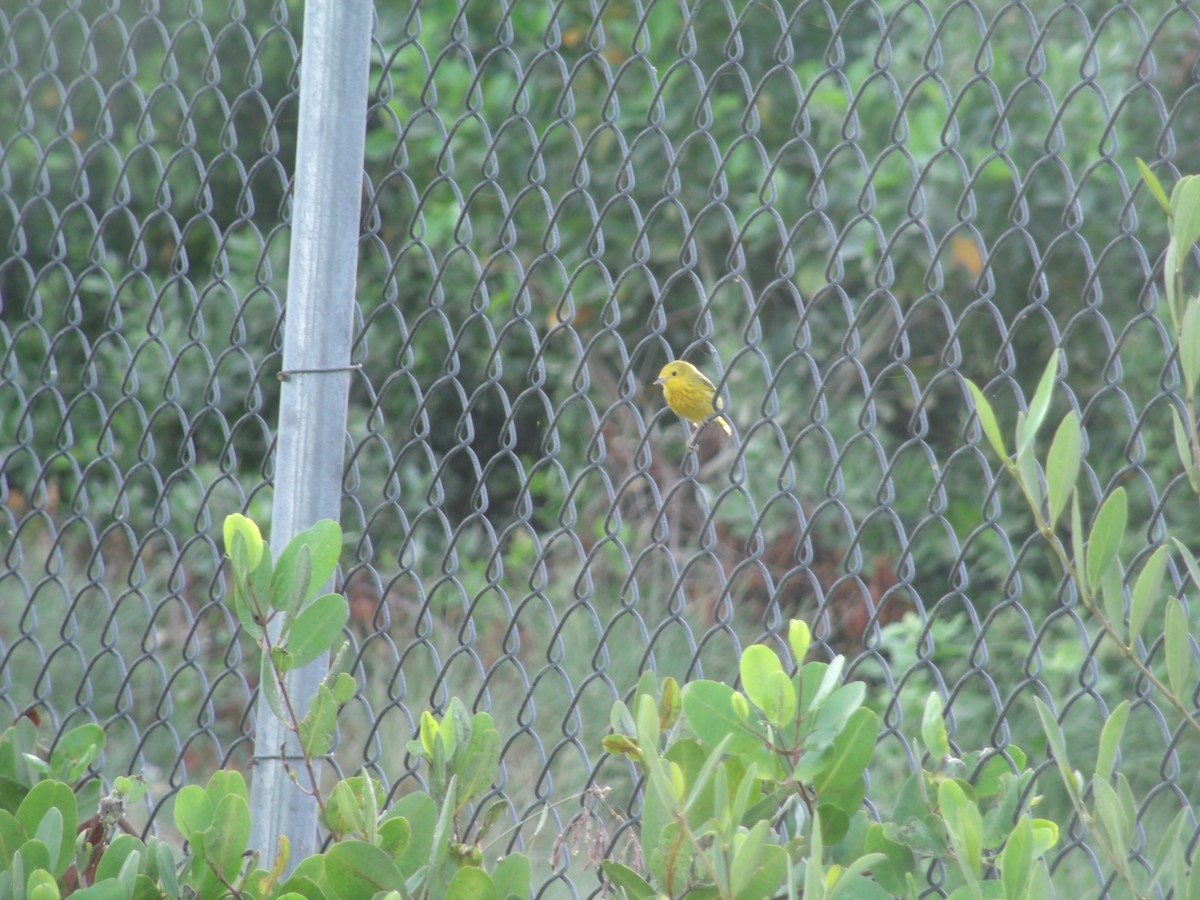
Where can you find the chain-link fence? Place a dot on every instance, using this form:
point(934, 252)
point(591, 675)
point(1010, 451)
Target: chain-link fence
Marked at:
point(839, 211)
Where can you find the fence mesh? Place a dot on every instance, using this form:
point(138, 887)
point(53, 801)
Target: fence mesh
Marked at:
point(840, 211)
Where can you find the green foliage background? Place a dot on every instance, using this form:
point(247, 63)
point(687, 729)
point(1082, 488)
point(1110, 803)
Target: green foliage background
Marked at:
point(838, 210)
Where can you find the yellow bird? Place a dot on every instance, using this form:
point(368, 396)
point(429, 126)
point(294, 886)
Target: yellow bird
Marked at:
point(690, 395)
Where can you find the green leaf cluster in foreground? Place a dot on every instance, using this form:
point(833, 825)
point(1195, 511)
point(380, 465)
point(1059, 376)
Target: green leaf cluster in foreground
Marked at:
point(759, 793)
point(751, 793)
point(59, 837)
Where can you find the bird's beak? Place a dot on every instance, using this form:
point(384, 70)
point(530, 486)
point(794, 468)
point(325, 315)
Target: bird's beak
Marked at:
point(659, 380)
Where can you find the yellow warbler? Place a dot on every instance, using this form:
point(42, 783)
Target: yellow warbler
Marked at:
point(689, 394)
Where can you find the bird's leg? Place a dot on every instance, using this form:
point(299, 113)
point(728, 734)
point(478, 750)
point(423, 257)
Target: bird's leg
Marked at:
point(694, 435)
point(708, 420)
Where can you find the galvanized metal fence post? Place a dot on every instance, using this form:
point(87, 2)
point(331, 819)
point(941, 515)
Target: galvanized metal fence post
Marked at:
point(316, 353)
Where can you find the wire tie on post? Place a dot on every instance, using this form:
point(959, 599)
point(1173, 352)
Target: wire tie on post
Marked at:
point(285, 757)
point(286, 374)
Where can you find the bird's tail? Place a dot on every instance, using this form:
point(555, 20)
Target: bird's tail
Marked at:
point(724, 425)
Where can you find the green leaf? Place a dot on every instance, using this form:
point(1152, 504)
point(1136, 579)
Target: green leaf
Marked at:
point(701, 769)
point(269, 685)
point(193, 810)
point(646, 716)
point(987, 421)
point(421, 812)
point(38, 767)
point(1062, 465)
point(1183, 449)
point(1038, 407)
point(800, 639)
point(1009, 802)
point(1110, 740)
point(1172, 261)
point(992, 776)
point(1112, 593)
point(708, 707)
point(1041, 885)
point(831, 677)
point(344, 687)
point(1108, 531)
point(964, 826)
point(1058, 748)
point(16, 741)
point(50, 833)
point(933, 728)
point(394, 836)
point(1112, 817)
point(1193, 882)
point(1016, 861)
point(317, 628)
point(42, 798)
point(852, 885)
point(117, 854)
point(32, 856)
point(1185, 212)
point(225, 783)
point(1077, 536)
point(1045, 836)
point(1167, 843)
point(627, 880)
point(471, 883)
point(245, 607)
point(495, 810)
point(357, 869)
point(251, 576)
point(850, 754)
point(428, 734)
point(1189, 344)
point(1179, 648)
point(1030, 476)
point(318, 727)
point(323, 545)
point(137, 882)
point(758, 666)
point(228, 838)
point(748, 791)
point(1188, 560)
point(814, 874)
point(444, 829)
point(457, 728)
point(107, 890)
point(1153, 185)
point(746, 857)
point(289, 583)
point(130, 789)
point(12, 836)
point(165, 865)
point(41, 886)
point(833, 715)
point(838, 806)
point(670, 704)
point(766, 877)
point(513, 875)
point(75, 751)
point(1180, 879)
point(480, 765)
point(1147, 591)
point(237, 525)
point(307, 881)
point(898, 861)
